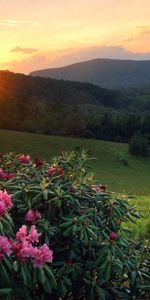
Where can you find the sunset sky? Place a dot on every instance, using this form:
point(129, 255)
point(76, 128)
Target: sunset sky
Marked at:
point(37, 34)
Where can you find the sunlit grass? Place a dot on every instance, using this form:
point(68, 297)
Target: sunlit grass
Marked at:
point(141, 229)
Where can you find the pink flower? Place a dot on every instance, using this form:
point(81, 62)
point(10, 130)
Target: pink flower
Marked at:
point(35, 254)
point(113, 236)
point(98, 188)
point(32, 215)
point(6, 198)
point(37, 215)
point(51, 171)
point(72, 190)
point(24, 159)
point(5, 246)
point(60, 172)
point(22, 233)
point(5, 202)
point(24, 249)
point(2, 209)
point(33, 235)
point(5, 175)
point(16, 247)
point(56, 171)
point(41, 256)
point(38, 162)
point(46, 253)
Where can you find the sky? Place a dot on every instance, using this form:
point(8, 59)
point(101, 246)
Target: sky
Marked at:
point(38, 34)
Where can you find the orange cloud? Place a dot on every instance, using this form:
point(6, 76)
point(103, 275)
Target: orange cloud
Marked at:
point(24, 50)
point(143, 32)
point(15, 23)
point(43, 60)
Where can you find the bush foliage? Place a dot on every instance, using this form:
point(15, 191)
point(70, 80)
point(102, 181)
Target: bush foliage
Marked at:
point(138, 146)
point(62, 234)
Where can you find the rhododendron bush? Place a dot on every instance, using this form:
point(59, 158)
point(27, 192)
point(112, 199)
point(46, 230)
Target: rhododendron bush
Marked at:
point(62, 234)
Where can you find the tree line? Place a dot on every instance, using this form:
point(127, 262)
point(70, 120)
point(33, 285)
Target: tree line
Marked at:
point(58, 107)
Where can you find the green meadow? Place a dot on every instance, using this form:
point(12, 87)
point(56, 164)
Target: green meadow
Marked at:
point(112, 165)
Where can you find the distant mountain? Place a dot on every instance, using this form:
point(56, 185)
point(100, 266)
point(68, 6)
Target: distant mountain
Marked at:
point(109, 73)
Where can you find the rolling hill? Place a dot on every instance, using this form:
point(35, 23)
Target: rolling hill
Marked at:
point(109, 73)
point(69, 108)
point(16, 85)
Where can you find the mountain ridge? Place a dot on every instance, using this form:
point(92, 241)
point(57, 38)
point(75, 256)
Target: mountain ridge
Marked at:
point(109, 73)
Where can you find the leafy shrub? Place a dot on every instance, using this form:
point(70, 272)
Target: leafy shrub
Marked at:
point(138, 146)
point(61, 234)
point(122, 158)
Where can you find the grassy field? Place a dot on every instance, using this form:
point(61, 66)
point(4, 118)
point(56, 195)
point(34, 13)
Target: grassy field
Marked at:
point(142, 228)
point(108, 169)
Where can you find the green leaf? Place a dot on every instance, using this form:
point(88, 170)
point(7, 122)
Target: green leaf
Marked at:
point(91, 233)
point(133, 277)
point(5, 273)
point(145, 275)
point(91, 296)
point(107, 272)
point(45, 194)
point(47, 286)
point(1, 228)
point(144, 287)
point(68, 231)
point(100, 292)
point(7, 227)
point(5, 291)
point(15, 266)
point(50, 275)
point(41, 275)
point(62, 288)
point(66, 224)
point(24, 277)
point(8, 263)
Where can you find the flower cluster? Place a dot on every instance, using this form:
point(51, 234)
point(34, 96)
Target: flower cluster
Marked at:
point(113, 236)
point(56, 171)
point(24, 159)
point(5, 202)
point(73, 189)
point(32, 215)
point(5, 247)
point(24, 247)
point(98, 188)
point(41, 255)
point(38, 162)
point(5, 175)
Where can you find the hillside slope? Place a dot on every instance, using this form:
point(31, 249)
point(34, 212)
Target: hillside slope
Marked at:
point(108, 73)
point(58, 107)
point(14, 85)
